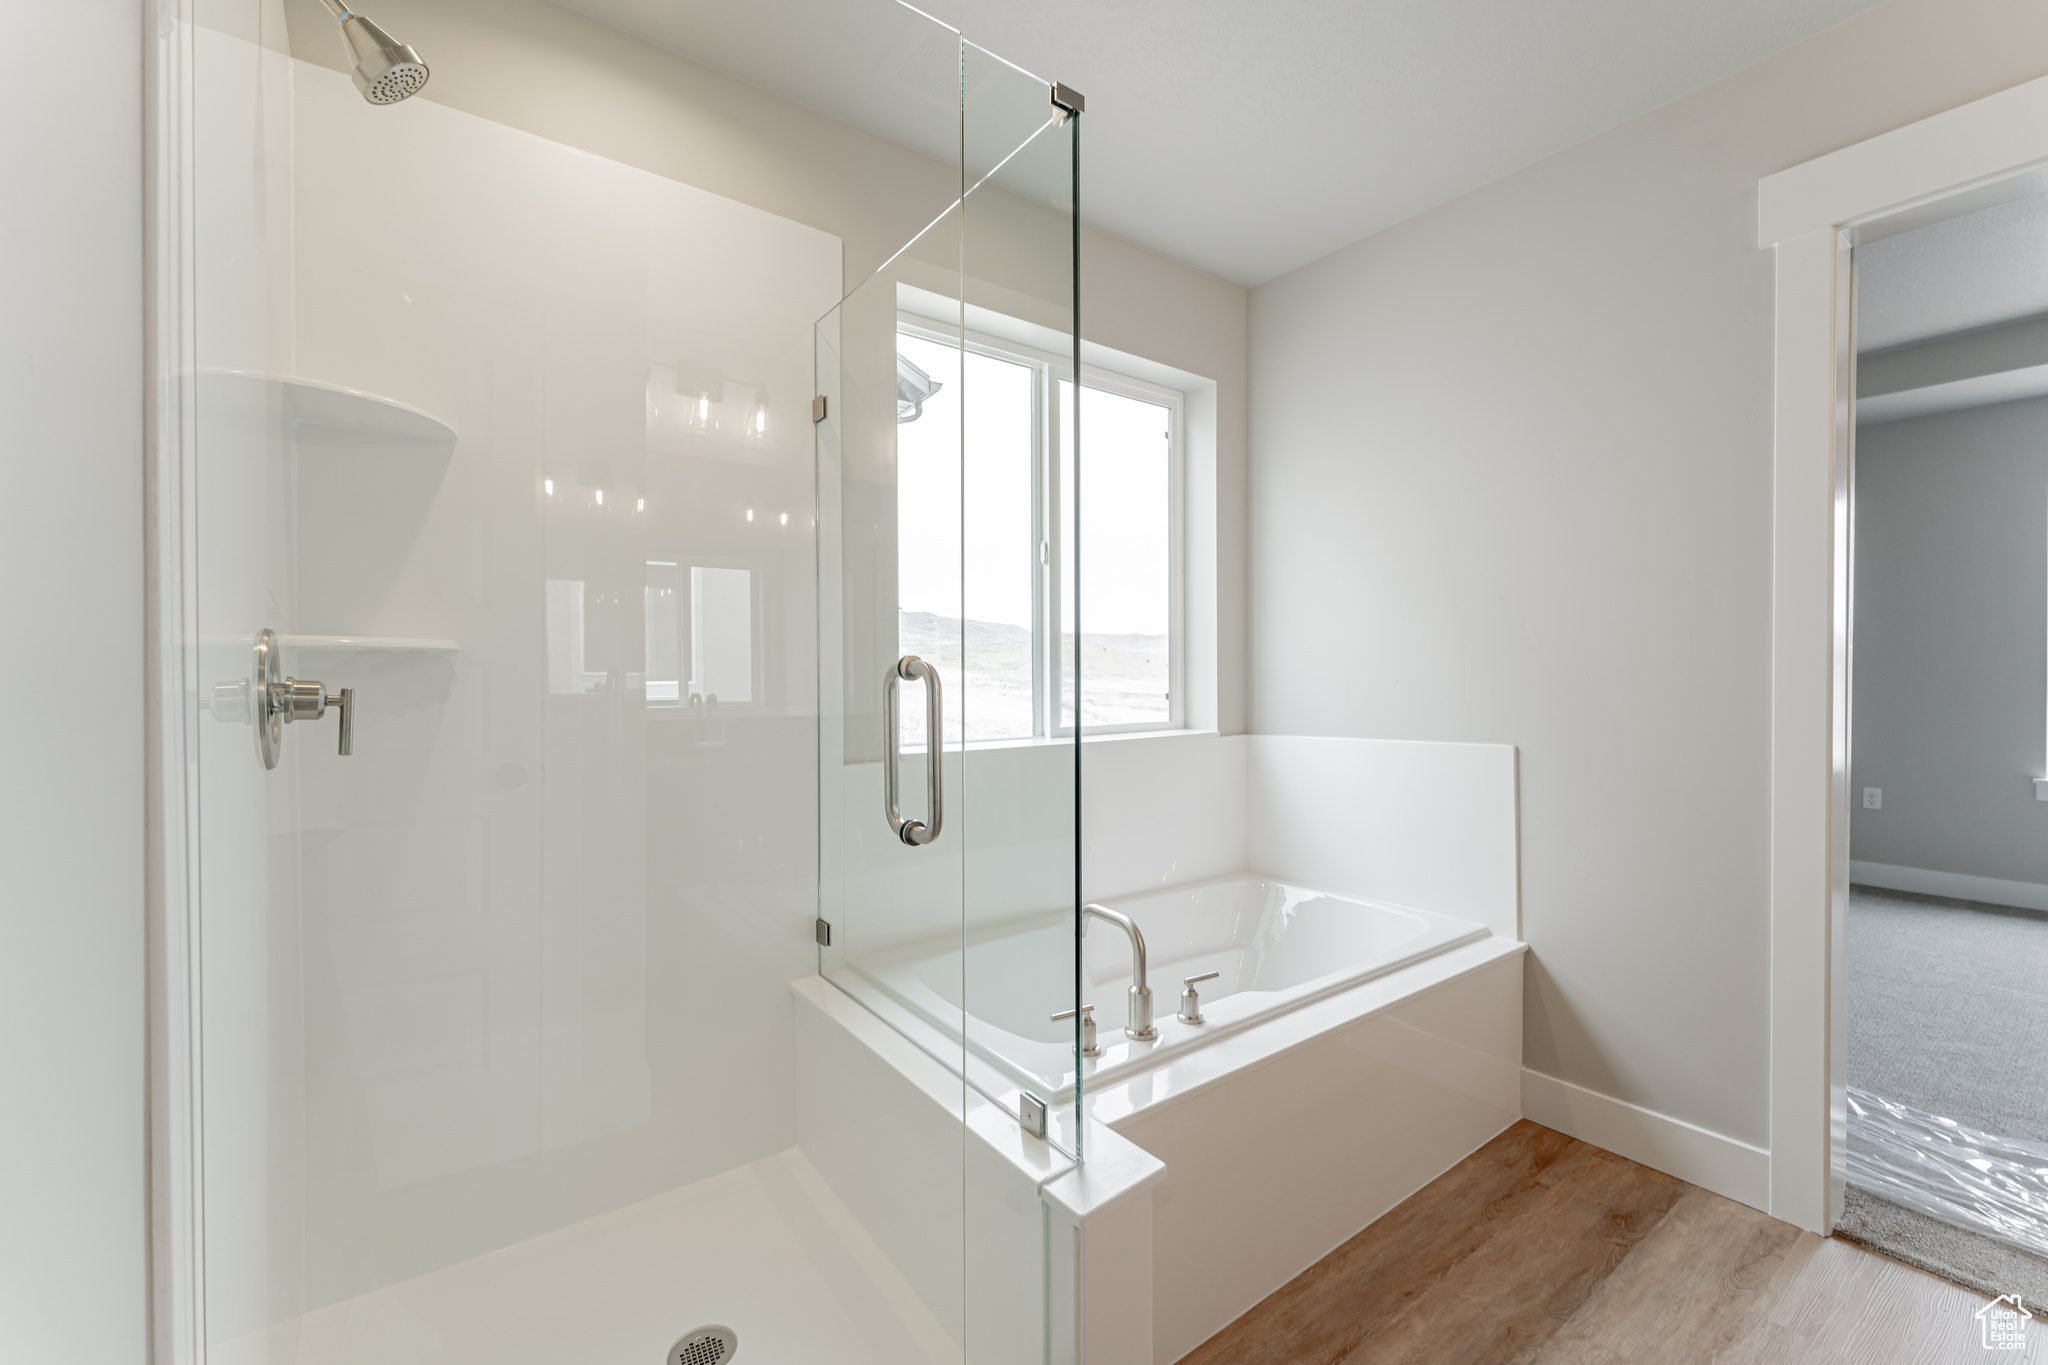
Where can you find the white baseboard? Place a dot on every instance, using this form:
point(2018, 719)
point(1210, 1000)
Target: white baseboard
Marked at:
point(1955, 885)
point(1711, 1160)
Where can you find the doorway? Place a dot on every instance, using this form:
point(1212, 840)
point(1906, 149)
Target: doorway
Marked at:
point(1945, 974)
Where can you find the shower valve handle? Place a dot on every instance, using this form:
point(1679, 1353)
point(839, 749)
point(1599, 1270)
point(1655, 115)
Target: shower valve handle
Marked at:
point(281, 701)
point(295, 701)
point(344, 702)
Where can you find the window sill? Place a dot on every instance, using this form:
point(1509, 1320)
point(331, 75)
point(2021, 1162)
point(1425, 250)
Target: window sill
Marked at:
point(1120, 736)
point(1114, 737)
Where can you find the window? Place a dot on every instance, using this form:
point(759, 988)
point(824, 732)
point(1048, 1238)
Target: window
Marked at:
point(984, 447)
point(1125, 649)
point(700, 634)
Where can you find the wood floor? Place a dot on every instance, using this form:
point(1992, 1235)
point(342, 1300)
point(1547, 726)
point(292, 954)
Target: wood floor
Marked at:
point(1541, 1249)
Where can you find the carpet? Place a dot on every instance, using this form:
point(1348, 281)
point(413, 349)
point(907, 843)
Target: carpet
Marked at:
point(1963, 1257)
point(1948, 1013)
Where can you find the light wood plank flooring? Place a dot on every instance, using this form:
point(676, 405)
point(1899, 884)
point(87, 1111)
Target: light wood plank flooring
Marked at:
point(1541, 1250)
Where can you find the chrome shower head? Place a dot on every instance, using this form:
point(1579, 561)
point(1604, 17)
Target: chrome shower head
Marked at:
point(385, 70)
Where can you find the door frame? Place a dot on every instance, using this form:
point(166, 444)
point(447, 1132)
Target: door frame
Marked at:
point(1812, 216)
point(176, 1263)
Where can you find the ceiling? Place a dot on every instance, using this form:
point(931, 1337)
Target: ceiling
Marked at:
point(1249, 137)
point(1985, 267)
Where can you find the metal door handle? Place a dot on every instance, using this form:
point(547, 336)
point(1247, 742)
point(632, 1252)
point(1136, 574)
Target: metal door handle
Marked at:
point(283, 701)
point(913, 832)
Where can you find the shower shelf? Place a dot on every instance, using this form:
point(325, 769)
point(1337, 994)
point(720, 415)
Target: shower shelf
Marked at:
point(396, 644)
point(314, 403)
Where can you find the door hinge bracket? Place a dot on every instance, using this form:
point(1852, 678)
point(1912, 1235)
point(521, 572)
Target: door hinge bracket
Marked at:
point(824, 934)
point(1031, 1113)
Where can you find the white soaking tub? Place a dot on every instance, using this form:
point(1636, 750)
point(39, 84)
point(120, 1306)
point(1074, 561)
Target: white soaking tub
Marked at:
point(1277, 946)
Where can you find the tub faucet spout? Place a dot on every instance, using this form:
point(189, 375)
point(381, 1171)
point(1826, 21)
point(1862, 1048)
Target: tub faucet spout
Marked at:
point(1139, 1029)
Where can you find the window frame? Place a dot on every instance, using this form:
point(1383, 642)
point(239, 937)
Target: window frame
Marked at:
point(757, 630)
point(1048, 427)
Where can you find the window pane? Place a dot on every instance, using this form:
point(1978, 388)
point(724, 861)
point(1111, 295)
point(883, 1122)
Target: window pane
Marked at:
point(722, 634)
point(928, 524)
point(1125, 572)
point(965, 603)
point(664, 634)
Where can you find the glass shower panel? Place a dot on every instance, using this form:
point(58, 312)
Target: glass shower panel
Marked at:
point(888, 452)
point(1020, 802)
point(936, 474)
point(948, 832)
point(889, 911)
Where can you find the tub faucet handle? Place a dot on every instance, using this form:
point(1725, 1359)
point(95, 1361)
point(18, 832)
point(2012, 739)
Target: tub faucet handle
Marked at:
point(1089, 1047)
point(1190, 1003)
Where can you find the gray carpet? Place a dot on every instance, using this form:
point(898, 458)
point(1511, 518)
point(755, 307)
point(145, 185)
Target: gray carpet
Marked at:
point(1974, 1262)
point(1948, 1011)
point(1948, 1008)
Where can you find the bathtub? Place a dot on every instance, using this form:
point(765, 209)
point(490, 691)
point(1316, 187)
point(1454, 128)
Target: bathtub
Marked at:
point(1276, 945)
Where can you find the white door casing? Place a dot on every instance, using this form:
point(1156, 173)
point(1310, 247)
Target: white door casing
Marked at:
point(1986, 152)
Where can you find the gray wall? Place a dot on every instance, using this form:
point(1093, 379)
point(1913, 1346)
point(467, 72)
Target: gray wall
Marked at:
point(1511, 481)
point(72, 1149)
point(1951, 639)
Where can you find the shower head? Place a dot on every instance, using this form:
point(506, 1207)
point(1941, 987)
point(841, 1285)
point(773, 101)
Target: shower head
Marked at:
point(385, 70)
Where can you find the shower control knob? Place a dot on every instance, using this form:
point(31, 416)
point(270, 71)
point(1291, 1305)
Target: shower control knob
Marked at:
point(296, 701)
point(286, 701)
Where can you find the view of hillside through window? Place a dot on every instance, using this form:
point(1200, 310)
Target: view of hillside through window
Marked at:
point(1126, 581)
point(971, 604)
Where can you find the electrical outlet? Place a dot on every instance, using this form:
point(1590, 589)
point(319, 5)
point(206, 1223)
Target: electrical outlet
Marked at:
point(1873, 798)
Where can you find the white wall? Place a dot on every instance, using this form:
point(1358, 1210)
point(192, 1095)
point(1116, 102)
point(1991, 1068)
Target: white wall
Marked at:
point(1417, 823)
point(72, 1251)
point(1951, 632)
point(532, 65)
point(1511, 482)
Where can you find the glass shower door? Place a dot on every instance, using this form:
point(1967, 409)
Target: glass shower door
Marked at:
point(948, 834)
point(948, 838)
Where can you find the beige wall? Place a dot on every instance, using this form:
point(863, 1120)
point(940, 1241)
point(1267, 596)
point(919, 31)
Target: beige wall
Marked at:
point(532, 65)
point(1511, 481)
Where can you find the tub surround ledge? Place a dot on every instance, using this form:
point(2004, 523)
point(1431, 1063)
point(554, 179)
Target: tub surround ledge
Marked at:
point(1283, 1142)
point(1213, 1178)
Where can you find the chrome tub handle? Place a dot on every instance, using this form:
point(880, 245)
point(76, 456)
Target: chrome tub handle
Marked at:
point(913, 832)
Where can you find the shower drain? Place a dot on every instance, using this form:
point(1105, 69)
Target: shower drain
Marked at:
point(712, 1345)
